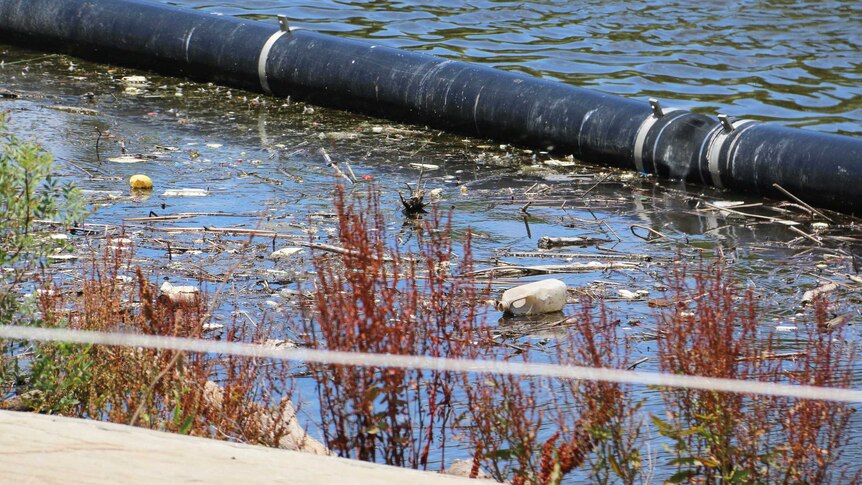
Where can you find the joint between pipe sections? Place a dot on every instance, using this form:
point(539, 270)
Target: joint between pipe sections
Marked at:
point(264, 56)
point(642, 133)
point(731, 150)
point(713, 154)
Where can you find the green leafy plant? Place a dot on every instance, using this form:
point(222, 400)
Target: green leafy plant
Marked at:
point(28, 194)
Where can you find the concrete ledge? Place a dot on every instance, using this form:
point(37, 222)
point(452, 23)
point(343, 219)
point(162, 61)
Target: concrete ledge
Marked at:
point(35, 448)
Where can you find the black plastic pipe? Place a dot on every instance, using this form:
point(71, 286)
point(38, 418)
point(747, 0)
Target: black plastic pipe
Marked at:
point(821, 169)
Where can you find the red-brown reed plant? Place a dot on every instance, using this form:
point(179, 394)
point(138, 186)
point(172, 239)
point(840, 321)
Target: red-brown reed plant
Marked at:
point(814, 434)
point(369, 297)
point(714, 330)
point(218, 396)
point(536, 430)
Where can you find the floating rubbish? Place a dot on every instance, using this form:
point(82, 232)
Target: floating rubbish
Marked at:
point(128, 159)
point(212, 328)
point(721, 204)
point(135, 80)
point(76, 110)
point(280, 343)
point(559, 163)
point(284, 254)
point(214, 145)
point(810, 295)
point(134, 85)
point(425, 166)
point(141, 182)
point(179, 294)
point(543, 296)
point(186, 193)
point(62, 257)
point(632, 295)
point(435, 193)
point(547, 242)
point(94, 195)
point(819, 226)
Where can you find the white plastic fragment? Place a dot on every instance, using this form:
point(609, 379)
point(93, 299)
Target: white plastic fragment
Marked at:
point(559, 163)
point(284, 254)
point(810, 295)
point(186, 193)
point(139, 80)
point(127, 159)
point(179, 294)
point(727, 203)
point(632, 295)
point(425, 166)
point(212, 327)
point(280, 343)
point(543, 296)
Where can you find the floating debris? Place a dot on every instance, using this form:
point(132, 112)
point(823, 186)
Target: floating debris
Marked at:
point(140, 182)
point(632, 295)
point(810, 295)
point(559, 163)
point(129, 159)
point(425, 166)
point(285, 253)
point(212, 328)
point(545, 296)
point(179, 294)
point(546, 242)
point(76, 110)
point(415, 204)
point(186, 193)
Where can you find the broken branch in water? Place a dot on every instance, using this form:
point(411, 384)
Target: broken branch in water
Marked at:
point(511, 270)
point(334, 165)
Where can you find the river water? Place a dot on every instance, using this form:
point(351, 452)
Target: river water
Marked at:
point(792, 62)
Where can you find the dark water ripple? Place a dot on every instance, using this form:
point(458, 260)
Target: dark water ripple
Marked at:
point(793, 61)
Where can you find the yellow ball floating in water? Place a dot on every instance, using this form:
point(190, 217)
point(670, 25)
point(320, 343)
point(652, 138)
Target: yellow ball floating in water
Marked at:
point(141, 182)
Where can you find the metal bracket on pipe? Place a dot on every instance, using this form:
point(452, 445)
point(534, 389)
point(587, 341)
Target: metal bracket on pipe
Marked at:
point(282, 23)
point(725, 123)
point(656, 108)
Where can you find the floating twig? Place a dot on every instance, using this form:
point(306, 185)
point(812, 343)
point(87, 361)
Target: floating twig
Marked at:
point(802, 202)
point(652, 233)
point(334, 165)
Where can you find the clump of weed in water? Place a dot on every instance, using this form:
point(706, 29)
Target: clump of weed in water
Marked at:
point(217, 396)
point(536, 430)
point(713, 330)
point(371, 298)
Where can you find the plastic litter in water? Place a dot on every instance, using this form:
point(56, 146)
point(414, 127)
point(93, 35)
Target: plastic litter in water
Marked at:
point(140, 182)
point(543, 296)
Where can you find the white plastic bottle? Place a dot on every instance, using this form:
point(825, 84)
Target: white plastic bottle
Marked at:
point(543, 296)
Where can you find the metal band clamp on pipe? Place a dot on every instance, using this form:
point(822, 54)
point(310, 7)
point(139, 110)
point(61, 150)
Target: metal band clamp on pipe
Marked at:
point(643, 131)
point(715, 149)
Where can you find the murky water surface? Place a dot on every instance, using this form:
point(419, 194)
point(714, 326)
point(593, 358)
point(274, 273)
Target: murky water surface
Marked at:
point(794, 62)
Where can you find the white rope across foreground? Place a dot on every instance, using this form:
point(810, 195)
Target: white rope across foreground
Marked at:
point(429, 363)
